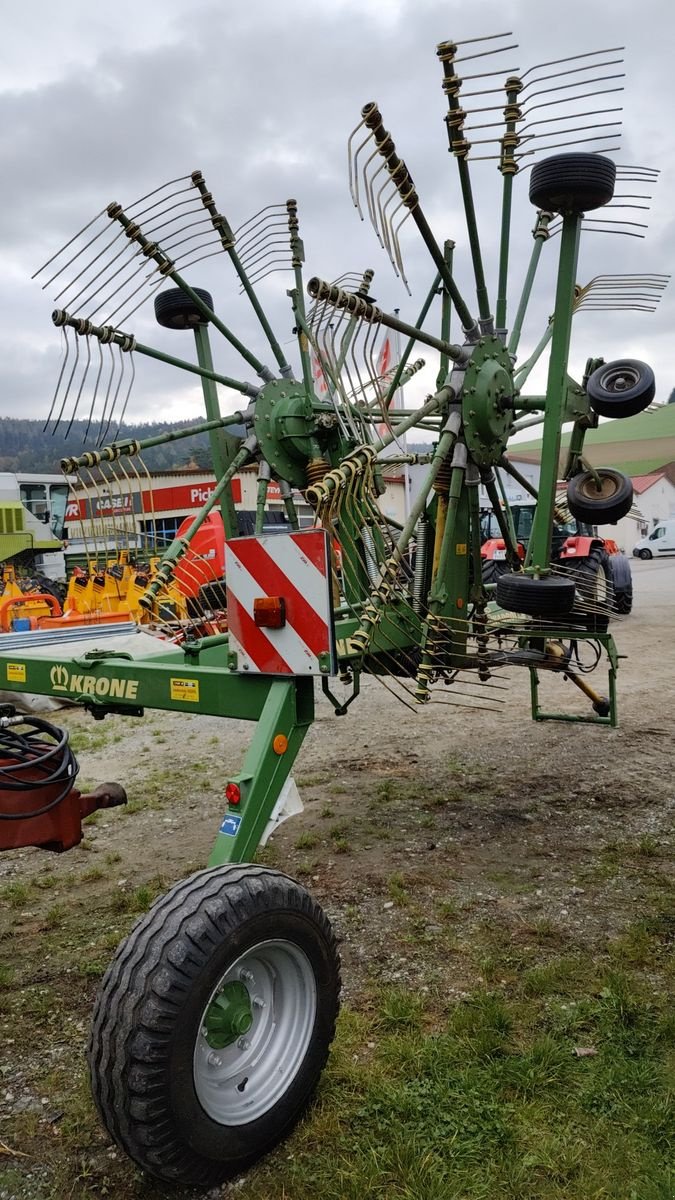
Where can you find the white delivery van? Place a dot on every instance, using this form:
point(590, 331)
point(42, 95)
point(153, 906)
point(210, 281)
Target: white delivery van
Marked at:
point(660, 541)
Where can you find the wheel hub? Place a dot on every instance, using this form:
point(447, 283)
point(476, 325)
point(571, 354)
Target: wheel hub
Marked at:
point(487, 401)
point(229, 1016)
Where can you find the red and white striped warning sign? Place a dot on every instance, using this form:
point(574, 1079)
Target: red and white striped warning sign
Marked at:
point(292, 567)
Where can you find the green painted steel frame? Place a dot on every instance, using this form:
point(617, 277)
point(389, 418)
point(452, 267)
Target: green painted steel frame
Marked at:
point(607, 641)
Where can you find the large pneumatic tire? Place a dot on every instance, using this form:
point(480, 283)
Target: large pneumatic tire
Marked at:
point(623, 600)
point(622, 388)
point(592, 578)
point(572, 183)
point(175, 310)
point(213, 1023)
point(603, 506)
point(550, 597)
point(493, 569)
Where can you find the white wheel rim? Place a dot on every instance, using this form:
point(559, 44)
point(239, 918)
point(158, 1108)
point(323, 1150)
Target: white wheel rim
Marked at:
point(241, 1082)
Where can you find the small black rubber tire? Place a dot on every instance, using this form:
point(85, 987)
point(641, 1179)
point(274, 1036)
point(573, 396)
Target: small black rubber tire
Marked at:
point(550, 597)
point(623, 601)
point(622, 388)
point(149, 1010)
point(600, 508)
point(572, 183)
point(175, 310)
point(493, 569)
point(645, 554)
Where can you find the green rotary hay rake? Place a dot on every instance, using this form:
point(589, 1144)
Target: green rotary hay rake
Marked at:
point(214, 1020)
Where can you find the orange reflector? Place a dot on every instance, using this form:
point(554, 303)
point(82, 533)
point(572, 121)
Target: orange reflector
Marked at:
point(233, 793)
point(280, 744)
point(269, 612)
point(460, 602)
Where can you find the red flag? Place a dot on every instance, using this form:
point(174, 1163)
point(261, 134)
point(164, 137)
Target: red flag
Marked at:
point(384, 357)
point(320, 381)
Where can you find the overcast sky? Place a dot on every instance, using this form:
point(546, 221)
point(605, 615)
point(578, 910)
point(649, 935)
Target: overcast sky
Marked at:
point(106, 102)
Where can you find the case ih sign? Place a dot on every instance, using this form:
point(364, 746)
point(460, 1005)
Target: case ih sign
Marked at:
point(179, 498)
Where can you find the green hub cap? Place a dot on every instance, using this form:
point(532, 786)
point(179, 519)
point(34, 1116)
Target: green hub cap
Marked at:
point(229, 1016)
point(487, 401)
point(285, 428)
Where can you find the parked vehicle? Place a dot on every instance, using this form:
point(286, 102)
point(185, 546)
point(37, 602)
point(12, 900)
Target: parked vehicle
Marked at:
point(660, 541)
point(603, 571)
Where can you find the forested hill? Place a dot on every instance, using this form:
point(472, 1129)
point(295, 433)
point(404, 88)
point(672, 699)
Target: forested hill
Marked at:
point(24, 446)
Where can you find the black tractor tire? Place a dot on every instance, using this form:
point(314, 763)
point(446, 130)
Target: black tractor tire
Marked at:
point(551, 597)
point(493, 569)
point(622, 388)
point(603, 507)
point(592, 578)
point(572, 183)
point(645, 554)
point(183, 1111)
point(623, 600)
point(175, 310)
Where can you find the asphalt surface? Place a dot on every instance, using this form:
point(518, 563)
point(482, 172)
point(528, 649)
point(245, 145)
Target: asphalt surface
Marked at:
point(653, 580)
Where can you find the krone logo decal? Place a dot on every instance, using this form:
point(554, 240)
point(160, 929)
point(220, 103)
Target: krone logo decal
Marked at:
point(59, 679)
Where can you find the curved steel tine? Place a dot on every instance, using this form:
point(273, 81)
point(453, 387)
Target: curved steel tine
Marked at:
point(68, 386)
point(64, 335)
point(351, 163)
point(79, 391)
point(87, 267)
point(93, 398)
point(126, 398)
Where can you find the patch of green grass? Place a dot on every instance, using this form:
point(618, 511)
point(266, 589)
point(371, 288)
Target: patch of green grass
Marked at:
point(44, 882)
point(399, 1009)
point(340, 845)
point(311, 780)
point(92, 874)
point(447, 908)
point(648, 846)
point(563, 975)
point(397, 888)
point(15, 894)
point(268, 855)
point(307, 840)
point(140, 899)
point(327, 811)
point(55, 915)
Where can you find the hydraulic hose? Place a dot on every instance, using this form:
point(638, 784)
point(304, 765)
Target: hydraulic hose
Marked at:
point(41, 749)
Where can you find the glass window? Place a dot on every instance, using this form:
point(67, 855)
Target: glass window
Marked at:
point(58, 498)
point(34, 497)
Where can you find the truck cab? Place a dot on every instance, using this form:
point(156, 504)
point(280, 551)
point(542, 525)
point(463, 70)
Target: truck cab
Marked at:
point(32, 522)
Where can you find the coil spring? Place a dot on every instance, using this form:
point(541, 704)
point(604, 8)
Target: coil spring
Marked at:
point(316, 469)
point(442, 481)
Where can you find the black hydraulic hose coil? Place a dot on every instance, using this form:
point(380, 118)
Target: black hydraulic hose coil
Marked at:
point(42, 749)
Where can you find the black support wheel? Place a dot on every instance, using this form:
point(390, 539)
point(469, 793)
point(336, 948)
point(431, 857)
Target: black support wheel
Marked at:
point(622, 388)
point(550, 597)
point(572, 183)
point(213, 1023)
point(602, 497)
point(176, 310)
